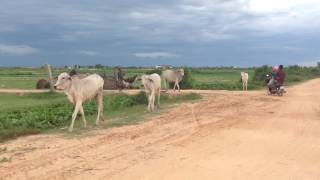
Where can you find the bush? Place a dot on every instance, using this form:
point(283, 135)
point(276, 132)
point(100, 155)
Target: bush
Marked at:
point(158, 71)
point(187, 81)
point(121, 101)
point(260, 73)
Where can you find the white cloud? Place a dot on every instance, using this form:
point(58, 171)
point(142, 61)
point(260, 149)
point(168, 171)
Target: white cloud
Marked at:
point(294, 49)
point(216, 35)
point(309, 63)
point(156, 55)
point(88, 53)
point(142, 15)
point(274, 47)
point(284, 16)
point(17, 49)
point(281, 5)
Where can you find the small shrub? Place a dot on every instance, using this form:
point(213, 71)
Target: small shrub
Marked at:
point(140, 98)
point(157, 71)
point(260, 73)
point(187, 81)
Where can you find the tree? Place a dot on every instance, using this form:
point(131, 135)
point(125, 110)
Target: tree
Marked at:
point(99, 66)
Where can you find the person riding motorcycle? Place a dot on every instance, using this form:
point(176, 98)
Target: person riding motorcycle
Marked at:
point(281, 75)
point(277, 80)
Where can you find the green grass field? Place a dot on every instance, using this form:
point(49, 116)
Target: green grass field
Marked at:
point(203, 78)
point(221, 78)
point(26, 78)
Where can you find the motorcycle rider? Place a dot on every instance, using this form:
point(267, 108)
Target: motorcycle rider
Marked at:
point(278, 78)
point(281, 75)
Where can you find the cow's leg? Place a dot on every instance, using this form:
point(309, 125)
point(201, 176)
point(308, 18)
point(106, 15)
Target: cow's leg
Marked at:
point(149, 102)
point(178, 85)
point(83, 117)
point(158, 103)
point(243, 85)
point(152, 100)
point(74, 115)
point(174, 87)
point(246, 86)
point(100, 107)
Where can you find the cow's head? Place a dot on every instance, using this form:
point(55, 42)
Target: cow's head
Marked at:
point(63, 82)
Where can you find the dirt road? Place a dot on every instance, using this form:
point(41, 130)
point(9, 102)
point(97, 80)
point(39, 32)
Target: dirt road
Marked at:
point(227, 135)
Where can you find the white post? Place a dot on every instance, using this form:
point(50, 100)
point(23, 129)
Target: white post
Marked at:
point(50, 77)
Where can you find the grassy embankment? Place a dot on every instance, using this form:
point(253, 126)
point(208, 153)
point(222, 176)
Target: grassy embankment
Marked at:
point(36, 113)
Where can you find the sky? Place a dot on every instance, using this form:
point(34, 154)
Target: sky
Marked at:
point(151, 32)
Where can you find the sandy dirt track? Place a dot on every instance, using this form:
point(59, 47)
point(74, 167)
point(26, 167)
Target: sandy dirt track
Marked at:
point(227, 135)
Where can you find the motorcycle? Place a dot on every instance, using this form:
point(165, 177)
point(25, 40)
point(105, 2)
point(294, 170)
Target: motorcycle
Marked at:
point(273, 86)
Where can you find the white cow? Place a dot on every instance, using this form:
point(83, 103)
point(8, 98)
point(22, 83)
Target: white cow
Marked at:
point(244, 80)
point(152, 86)
point(79, 90)
point(175, 76)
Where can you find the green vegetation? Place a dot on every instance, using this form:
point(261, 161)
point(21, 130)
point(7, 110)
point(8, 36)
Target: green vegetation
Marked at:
point(294, 73)
point(34, 113)
point(299, 74)
point(223, 78)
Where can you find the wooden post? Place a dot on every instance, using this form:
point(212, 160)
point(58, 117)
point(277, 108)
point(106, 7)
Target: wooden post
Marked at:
point(50, 77)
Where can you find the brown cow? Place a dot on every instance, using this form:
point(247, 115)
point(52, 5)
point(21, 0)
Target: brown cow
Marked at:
point(43, 84)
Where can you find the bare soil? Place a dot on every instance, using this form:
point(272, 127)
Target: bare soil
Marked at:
point(226, 135)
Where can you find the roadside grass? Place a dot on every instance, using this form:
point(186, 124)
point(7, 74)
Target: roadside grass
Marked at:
point(3, 149)
point(51, 113)
point(5, 159)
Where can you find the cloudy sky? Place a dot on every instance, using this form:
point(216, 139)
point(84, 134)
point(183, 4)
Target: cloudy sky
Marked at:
point(150, 32)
